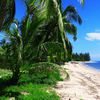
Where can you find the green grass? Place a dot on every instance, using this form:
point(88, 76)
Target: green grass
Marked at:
point(29, 92)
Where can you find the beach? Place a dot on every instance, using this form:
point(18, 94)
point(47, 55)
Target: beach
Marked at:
point(84, 83)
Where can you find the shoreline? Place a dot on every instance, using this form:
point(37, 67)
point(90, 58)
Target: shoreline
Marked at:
point(90, 67)
point(84, 83)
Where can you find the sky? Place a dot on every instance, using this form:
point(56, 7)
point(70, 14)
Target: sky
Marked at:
point(88, 33)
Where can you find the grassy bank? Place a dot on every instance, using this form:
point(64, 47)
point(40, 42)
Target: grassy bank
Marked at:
point(35, 83)
point(29, 92)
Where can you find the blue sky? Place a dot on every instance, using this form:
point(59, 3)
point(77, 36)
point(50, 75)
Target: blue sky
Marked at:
point(88, 33)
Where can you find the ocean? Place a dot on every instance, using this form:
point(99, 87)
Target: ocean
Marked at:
point(94, 64)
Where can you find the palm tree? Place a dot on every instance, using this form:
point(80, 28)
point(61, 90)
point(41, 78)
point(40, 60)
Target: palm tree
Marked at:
point(50, 16)
point(7, 11)
point(35, 29)
point(59, 23)
point(13, 52)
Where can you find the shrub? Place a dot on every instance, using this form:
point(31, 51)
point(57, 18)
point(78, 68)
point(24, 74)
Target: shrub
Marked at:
point(52, 51)
point(30, 92)
point(5, 75)
point(45, 73)
point(41, 73)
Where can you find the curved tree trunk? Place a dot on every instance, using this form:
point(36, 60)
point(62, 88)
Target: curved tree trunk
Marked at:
point(16, 71)
point(2, 12)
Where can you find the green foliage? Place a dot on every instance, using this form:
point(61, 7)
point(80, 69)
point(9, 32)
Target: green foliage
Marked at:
point(4, 98)
point(30, 92)
point(52, 52)
point(81, 57)
point(5, 75)
point(45, 25)
point(82, 1)
point(43, 72)
point(2, 58)
point(25, 78)
point(1, 51)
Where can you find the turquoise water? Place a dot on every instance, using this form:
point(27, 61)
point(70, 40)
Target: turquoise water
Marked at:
point(95, 64)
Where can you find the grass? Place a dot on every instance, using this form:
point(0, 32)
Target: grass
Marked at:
point(29, 92)
point(28, 89)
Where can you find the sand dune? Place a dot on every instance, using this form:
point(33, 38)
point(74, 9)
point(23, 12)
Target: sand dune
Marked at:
point(84, 83)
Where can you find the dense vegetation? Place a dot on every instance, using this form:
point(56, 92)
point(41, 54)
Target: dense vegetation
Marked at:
point(32, 40)
point(81, 57)
point(29, 92)
point(33, 45)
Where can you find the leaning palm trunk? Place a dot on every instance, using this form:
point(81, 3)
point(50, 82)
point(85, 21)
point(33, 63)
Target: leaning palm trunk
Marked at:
point(61, 24)
point(7, 12)
point(16, 72)
point(2, 13)
point(15, 50)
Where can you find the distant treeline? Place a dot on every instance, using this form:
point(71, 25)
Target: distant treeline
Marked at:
point(81, 57)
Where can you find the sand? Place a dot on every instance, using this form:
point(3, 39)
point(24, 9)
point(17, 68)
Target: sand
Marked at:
point(84, 83)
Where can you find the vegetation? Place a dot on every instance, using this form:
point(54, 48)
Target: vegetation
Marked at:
point(33, 45)
point(42, 73)
point(34, 35)
point(29, 92)
point(5, 75)
point(34, 82)
point(81, 57)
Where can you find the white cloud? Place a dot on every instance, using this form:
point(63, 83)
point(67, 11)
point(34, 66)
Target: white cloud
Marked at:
point(92, 36)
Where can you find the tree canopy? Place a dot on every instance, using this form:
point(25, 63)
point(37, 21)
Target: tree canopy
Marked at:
point(41, 34)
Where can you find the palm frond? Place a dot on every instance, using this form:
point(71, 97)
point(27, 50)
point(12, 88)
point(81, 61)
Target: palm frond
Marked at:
point(70, 14)
point(71, 29)
point(82, 2)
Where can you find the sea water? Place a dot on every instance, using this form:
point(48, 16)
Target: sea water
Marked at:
point(94, 64)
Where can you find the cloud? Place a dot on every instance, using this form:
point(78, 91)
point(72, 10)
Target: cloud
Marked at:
point(92, 36)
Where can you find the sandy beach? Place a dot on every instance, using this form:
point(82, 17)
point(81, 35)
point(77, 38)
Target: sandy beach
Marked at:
point(84, 83)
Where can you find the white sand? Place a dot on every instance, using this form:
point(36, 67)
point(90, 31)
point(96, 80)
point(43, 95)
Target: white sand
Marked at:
point(84, 83)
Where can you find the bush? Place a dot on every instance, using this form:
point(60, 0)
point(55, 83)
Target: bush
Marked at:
point(29, 92)
point(42, 73)
point(5, 75)
point(45, 73)
point(55, 54)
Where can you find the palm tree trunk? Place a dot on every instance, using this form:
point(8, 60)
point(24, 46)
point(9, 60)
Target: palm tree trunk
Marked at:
point(15, 77)
point(3, 12)
point(16, 72)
